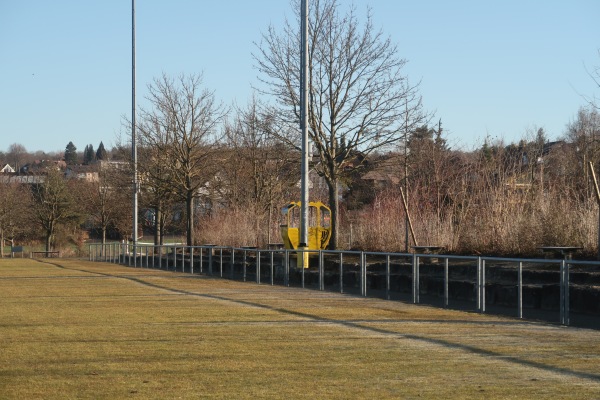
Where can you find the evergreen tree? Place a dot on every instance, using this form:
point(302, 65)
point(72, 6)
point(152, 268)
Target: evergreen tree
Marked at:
point(88, 154)
point(101, 152)
point(71, 154)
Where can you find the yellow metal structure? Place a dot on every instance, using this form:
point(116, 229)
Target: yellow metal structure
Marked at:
point(319, 225)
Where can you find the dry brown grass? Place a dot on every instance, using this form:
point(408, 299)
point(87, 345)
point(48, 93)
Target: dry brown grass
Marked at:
point(92, 330)
point(494, 222)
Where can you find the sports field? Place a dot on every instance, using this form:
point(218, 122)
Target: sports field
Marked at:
point(72, 329)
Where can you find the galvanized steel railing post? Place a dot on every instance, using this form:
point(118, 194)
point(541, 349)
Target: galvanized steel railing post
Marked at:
point(321, 271)
point(567, 291)
point(232, 262)
point(564, 293)
point(479, 264)
point(520, 290)
point(244, 265)
point(482, 286)
point(446, 284)
point(201, 260)
point(257, 254)
point(210, 261)
point(363, 275)
point(301, 254)
point(272, 268)
point(387, 276)
point(415, 281)
point(286, 267)
point(341, 272)
point(192, 260)
point(221, 262)
point(160, 251)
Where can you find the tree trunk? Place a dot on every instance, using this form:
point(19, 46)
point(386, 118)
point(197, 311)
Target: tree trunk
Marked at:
point(189, 203)
point(334, 205)
point(48, 239)
point(157, 225)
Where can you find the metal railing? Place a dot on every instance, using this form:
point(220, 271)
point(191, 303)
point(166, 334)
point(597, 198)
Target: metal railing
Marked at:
point(386, 275)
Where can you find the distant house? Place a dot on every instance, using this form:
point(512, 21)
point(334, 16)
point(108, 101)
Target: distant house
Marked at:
point(7, 169)
point(88, 173)
point(39, 166)
point(384, 173)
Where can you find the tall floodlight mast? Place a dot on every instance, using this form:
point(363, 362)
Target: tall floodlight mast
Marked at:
point(304, 123)
point(134, 236)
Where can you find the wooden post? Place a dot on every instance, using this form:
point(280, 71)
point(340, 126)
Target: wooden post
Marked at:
point(598, 200)
point(405, 204)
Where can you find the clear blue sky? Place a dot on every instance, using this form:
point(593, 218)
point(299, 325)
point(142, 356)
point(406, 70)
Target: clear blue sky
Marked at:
point(496, 68)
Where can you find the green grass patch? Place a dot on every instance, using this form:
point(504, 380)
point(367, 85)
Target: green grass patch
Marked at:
point(76, 329)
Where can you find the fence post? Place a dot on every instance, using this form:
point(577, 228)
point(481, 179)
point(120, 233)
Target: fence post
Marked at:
point(479, 284)
point(564, 293)
point(244, 266)
point(415, 283)
point(272, 277)
point(301, 254)
point(201, 260)
point(221, 262)
point(192, 260)
point(387, 276)
point(341, 272)
point(257, 254)
point(232, 262)
point(567, 284)
point(520, 290)
point(483, 286)
point(446, 284)
point(363, 275)
point(160, 251)
point(286, 267)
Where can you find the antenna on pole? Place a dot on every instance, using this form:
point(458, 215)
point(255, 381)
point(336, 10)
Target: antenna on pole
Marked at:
point(304, 123)
point(134, 236)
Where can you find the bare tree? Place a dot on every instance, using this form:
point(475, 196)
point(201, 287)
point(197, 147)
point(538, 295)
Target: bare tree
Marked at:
point(103, 200)
point(359, 98)
point(16, 155)
point(53, 204)
point(258, 167)
point(182, 127)
point(584, 133)
point(13, 212)
point(157, 193)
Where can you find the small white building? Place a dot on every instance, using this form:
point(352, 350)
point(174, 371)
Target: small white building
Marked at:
point(7, 169)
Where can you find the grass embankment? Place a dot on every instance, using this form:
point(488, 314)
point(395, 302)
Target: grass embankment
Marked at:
point(91, 330)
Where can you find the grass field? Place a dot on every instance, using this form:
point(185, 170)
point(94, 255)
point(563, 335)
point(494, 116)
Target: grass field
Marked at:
point(72, 329)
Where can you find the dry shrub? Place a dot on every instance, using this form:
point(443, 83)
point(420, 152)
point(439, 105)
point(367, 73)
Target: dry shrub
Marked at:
point(238, 227)
point(497, 222)
point(500, 223)
point(569, 222)
point(381, 226)
point(511, 225)
point(377, 227)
